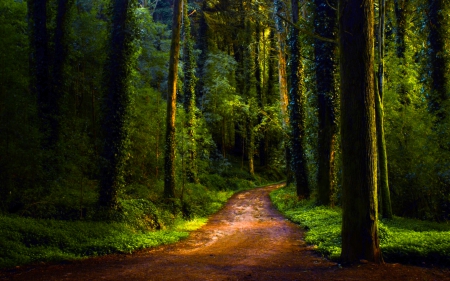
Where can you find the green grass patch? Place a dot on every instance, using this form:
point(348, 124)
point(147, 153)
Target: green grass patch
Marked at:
point(27, 240)
point(141, 223)
point(401, 240)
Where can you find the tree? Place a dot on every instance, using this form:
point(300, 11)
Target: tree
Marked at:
point(189, 94)
point(40, 73)
point(60, 53)
point(297, 108)
point(385, 197)
point(170, 145)
point(358, 133)
point(439, 59)
point(282, 83)
point(116, 103)
point(325, 22)
point(402, 9)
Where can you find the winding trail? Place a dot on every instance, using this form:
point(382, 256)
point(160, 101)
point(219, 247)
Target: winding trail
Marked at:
point(247, 240)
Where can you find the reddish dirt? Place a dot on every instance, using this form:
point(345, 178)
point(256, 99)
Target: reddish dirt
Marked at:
point(247, 240)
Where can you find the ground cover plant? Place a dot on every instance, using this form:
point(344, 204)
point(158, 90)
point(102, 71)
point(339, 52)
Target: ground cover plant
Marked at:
point(401, 239)
point(141, 223)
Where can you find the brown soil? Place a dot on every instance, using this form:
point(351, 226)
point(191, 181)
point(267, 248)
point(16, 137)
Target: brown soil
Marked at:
point(247, 240)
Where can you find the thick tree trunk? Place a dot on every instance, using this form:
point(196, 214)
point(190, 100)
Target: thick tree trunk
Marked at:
point(297, 109)
point(169, 156)
point(358, 132)
point(326, 67)
point(116, 105)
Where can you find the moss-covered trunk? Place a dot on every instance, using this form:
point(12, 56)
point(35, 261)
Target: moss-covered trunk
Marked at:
point(170, 145)
point(358, 132)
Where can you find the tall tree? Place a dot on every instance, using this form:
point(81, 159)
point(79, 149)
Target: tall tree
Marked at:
point(116, 103)
point(358, 132)
point(402, 9)
point(297, 112)
point(249, 95)
point(189, 94)
point(282, 83)
point(325, 22)
point(385, 197)
point(60, 53)
point(40, 73)
point(439, 60)
point(169, 156)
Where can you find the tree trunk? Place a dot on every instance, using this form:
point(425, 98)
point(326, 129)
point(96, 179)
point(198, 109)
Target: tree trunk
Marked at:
point(297, 109)
point(282, 82)
point(60, 53)
point(260, 94)
point(401, 9)
point(116, 103)
point(169, 156)
point(358, 132)
point(385, 200)
point(39, 71)
point(189, 97)
point(439, 60)
point(326, 67)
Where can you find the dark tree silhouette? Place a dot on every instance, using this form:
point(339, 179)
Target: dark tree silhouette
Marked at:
point(297, 101)
point(325, 22)
point(358, 133)
point(116, 103)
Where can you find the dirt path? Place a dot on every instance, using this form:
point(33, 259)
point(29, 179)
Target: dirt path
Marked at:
point(247, 240)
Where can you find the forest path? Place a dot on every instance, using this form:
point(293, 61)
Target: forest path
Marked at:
point(247, 240)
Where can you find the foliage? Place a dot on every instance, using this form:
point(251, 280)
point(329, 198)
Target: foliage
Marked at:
point(417, 157)
point(142, 223)
point(401, 240)
point(26, 240)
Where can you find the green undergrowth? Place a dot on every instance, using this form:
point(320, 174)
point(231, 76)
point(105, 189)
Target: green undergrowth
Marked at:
point(142, 222)
point(401, 240)
point(27, 240)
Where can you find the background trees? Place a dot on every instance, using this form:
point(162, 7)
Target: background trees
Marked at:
point(92, 91)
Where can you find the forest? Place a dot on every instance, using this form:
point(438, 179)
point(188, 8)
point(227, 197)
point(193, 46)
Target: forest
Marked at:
point(143, 117)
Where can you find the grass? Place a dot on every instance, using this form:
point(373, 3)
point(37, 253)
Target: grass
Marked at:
point(27, 240)
point(142, 223)
point(401, 240)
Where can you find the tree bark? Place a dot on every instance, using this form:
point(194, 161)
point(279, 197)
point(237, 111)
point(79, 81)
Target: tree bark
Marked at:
point(358, 132)
point(326, 67)
point(297, 101)
point(39, 71)
point(116, 103)
point(401, 8)
point(385, 200)
point(170, 145)
point(282, 82)
point(189, 96)
point(439, 61)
